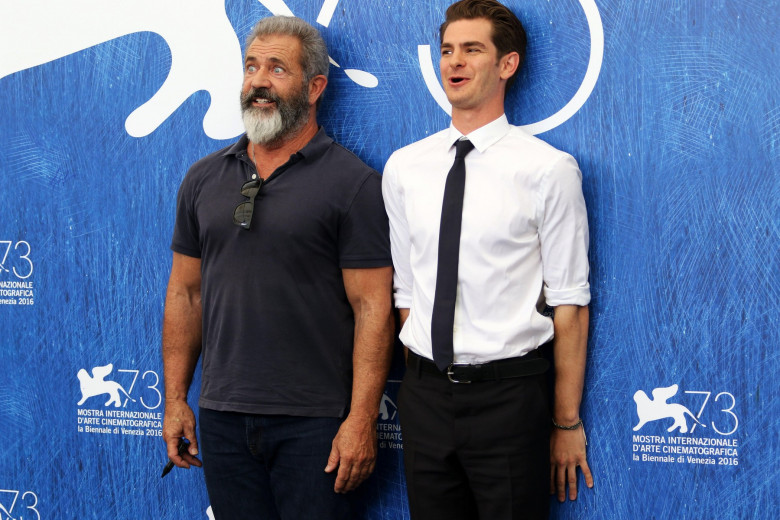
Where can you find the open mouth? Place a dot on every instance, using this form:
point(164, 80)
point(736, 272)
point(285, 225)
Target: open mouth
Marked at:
point(455, 80)
point(259, 98)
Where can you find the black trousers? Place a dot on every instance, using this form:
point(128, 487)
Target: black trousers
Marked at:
point(475, 451)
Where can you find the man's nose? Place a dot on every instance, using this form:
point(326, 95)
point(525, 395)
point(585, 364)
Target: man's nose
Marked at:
point(260, 79)
point(457, 58)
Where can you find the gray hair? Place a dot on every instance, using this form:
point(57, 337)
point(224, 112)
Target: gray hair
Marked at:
point(314, 52)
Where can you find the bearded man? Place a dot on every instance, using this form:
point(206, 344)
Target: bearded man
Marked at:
point(281, 285)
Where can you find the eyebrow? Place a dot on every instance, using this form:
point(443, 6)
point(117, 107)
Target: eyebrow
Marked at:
point(464, 44)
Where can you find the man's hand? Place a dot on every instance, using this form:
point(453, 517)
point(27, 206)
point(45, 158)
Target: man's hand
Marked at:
point(179, 422)
point(567, 451)
point(353, 453)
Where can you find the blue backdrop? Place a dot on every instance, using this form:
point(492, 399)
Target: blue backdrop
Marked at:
point(670, 108)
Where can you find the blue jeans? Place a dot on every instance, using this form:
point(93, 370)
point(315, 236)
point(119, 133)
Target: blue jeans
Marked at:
point(269, 467)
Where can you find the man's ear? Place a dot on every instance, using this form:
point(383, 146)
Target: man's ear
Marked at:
point(316, 88)
point(508, 64)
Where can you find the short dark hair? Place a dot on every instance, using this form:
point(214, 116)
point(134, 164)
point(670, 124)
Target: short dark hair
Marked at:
point(507, 35)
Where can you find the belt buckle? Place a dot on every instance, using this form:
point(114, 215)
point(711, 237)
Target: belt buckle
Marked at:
point(450, 373)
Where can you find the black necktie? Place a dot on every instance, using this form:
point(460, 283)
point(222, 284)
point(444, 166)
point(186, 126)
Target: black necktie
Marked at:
point(447, 270)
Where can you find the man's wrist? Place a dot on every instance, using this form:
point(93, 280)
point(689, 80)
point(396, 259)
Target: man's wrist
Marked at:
point(359, 415)
point(567, 426)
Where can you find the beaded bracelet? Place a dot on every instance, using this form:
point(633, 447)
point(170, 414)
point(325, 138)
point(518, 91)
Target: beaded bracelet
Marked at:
point(572, 427)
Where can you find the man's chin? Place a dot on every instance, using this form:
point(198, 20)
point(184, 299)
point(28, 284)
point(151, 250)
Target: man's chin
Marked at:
point(264, 138)
point(261, 112)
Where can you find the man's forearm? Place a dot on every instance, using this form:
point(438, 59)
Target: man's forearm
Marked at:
point(369, 294)
point(372, 355)
point(570, 349)
point(182, 335)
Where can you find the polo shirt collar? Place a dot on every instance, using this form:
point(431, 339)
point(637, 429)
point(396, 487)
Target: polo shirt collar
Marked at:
point(238, 148)
point(317, 146)
point(313, 149)
point(483, 137)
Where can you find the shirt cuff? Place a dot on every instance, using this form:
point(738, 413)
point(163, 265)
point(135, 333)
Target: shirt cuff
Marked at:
point(402, 301)
point(570, 296)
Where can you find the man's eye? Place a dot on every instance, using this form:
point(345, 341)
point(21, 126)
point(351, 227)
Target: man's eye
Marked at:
point(278, 70)
point(251, 68)
point(446, 52)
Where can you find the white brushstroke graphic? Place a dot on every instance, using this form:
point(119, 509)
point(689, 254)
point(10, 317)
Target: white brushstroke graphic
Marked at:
point(40, 31)
point(205, 52)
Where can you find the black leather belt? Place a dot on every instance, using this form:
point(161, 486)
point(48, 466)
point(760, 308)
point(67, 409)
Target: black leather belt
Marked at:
point(529, 365)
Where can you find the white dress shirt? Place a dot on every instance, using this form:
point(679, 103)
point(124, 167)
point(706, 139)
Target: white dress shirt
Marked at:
point(524, 239)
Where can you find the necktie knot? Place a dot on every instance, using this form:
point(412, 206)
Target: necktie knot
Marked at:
point(463, 147)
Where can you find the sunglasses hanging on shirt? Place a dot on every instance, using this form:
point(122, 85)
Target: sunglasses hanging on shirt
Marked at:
point(242, 215)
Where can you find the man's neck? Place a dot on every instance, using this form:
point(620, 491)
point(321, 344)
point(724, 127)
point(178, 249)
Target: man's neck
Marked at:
point(269, 157)
point(468, 120)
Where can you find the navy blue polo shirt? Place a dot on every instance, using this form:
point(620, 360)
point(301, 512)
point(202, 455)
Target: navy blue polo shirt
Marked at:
point(277, 326)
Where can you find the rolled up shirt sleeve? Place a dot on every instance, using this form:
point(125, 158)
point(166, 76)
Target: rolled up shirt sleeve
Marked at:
point(400, 245)
point(563, 234)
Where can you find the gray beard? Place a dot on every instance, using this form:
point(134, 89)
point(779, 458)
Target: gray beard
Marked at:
point(262, 129)
point(271, 126)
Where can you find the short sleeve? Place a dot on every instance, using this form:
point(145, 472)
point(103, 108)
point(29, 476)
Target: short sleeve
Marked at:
point(186, 230)
point(364, 237)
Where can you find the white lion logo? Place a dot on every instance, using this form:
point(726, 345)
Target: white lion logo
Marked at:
point(657, 408)
point(96, 385)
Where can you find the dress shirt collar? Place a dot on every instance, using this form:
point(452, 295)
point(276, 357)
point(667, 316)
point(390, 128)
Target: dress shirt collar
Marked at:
point(483, 137)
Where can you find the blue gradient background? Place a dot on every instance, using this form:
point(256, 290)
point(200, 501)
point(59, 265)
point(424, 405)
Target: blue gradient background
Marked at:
point(678, 145)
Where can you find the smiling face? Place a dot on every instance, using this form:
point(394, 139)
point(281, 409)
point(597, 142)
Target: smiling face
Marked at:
point(473, 75)
point(275, 99)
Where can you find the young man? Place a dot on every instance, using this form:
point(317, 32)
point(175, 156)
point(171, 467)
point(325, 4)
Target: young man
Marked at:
point(281, 280)
point(485, 230)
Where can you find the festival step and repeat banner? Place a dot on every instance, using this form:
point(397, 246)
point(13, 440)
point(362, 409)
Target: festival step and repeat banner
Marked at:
point(670, 107)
